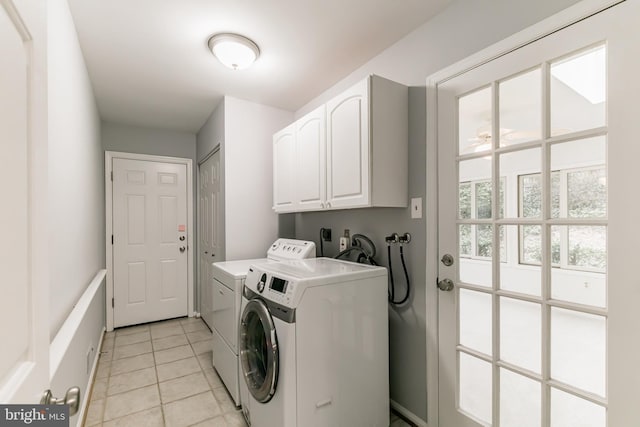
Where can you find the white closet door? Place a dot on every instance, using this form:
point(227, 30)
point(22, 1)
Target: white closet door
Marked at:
point(211, 221)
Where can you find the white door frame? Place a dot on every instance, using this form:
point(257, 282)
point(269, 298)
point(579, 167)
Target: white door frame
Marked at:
point(108, 185)
point(569, 16)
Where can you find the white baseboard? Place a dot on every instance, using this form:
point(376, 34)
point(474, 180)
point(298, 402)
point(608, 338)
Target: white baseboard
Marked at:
point(407, 414)
point(85, 402)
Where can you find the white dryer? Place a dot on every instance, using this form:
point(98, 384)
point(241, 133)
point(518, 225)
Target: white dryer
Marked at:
point(227, 282)
point(314, 344)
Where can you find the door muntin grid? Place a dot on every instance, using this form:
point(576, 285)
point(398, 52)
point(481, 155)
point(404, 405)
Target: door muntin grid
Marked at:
point(561, 288)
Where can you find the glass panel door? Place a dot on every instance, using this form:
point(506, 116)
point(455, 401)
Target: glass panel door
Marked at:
point(528, 145)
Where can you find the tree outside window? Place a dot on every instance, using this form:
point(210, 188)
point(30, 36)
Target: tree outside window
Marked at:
point(575, 193)
point(474, 202)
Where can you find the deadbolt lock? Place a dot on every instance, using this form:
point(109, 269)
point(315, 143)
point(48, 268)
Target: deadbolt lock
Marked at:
point(447, 259)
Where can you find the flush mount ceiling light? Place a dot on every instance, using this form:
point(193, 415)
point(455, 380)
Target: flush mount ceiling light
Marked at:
point(233, 50)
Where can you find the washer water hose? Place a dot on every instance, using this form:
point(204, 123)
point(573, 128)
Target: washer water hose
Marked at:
point(394, 238)
point(366, 254)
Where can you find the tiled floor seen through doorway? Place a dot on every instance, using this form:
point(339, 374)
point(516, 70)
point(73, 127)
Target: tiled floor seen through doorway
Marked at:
point(161, 374)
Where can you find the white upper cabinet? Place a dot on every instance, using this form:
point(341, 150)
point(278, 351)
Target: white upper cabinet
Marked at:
point(357, 157)
point(310, 180)
point(348, 148)
point(284, 199)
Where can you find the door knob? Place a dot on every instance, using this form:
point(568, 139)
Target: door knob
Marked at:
point(71, 398)
point(445, 285)
point(182, 249)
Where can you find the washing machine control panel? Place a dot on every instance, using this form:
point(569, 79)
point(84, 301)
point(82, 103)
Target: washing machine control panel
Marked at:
point(261, 283)
point(271, 286)
point(281, 290)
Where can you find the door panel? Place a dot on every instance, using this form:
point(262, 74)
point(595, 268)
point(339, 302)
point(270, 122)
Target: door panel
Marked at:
point(24, 306)
point(284, 195)
point(211, 246)
point(150, 260)
point(536, 162)
point(348, 149)
point(310, 149)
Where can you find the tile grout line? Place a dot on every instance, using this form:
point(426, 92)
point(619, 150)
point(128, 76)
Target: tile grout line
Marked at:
point(195, 355)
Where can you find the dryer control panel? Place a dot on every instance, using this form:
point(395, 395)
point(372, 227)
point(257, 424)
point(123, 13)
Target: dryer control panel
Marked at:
point(283, 249)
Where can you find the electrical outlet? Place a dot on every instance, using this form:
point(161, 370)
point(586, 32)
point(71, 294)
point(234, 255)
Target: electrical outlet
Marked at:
point(326, 234)
point(344, 243)
point(90, 358)
point(416, 207)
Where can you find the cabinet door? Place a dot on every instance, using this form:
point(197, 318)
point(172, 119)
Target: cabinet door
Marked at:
point(348, 157)
point(283, 170)
point(310, 183)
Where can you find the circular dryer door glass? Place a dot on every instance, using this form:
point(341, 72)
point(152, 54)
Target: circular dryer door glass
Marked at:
point(259, 351)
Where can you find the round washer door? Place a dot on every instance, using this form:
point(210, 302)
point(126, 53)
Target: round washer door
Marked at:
point(258, 350)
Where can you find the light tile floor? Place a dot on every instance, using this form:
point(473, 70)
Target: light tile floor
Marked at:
point(161, 374)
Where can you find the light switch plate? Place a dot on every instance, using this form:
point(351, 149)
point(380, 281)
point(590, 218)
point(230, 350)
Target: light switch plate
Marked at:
point(416, 207)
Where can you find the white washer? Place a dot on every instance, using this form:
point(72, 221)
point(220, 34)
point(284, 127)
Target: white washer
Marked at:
point(314, 344)
point(228, 279)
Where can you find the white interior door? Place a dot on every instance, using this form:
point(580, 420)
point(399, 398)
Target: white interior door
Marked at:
point(210, 228)
point(24, 305)
point(537, 172)
point(150, 248)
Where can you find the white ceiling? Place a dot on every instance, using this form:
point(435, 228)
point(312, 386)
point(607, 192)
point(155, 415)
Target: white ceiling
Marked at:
point(150, 65)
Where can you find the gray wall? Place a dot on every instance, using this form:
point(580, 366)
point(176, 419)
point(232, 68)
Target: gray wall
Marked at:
point(157, 142)
point(464, 28)
point(211, 134)
point(140, 140)
point(76, 171)
point(407, 333)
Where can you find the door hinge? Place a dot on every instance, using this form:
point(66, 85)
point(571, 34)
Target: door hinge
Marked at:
point(112, 303)
point(112, 239)
point(111, 175)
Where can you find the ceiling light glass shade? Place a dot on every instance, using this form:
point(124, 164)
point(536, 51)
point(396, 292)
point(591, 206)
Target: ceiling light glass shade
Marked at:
point(233, 50)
